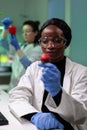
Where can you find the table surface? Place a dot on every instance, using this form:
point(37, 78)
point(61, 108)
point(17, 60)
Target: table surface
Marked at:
point(14, 124)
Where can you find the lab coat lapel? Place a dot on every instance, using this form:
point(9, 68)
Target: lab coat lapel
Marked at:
point(67, 84)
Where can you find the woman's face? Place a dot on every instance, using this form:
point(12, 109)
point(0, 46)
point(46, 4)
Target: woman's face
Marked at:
point(28, 34)
point(52, 42)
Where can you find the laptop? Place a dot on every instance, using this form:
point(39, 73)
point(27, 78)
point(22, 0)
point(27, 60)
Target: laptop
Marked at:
point(3, 120)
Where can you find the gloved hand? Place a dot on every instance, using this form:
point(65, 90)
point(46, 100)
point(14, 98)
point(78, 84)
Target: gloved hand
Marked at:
point(51, 78)
point(6, 22)
point(46, 121)
point(14, 41)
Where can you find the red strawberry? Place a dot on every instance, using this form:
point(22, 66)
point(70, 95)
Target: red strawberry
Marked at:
point(45, 57)
point(12, 29)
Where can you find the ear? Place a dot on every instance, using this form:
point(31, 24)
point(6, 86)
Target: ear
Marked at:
point(65, 43)
point(65, 46)
point(36, 33)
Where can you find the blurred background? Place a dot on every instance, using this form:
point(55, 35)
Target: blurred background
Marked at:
point(72, 11)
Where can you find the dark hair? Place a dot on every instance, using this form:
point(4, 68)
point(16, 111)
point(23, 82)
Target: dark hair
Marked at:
point(35, 26)
point(60, 24)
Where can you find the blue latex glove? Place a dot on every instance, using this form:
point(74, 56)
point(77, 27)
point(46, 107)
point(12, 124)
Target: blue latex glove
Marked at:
point(46, 121)
point(51, 78)
point(6, 22)
point(14, 41)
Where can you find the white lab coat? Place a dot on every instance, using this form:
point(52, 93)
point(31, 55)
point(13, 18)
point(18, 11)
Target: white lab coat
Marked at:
point(27, 96)
point(32, 53)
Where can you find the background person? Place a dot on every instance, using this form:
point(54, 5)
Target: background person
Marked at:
point(54, 94)
point(29, 52)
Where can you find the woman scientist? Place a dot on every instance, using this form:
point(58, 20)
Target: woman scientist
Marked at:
point(29, 52)
point(53, 95)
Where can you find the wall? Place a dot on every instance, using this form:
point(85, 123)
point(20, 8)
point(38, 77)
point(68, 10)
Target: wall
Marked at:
point(74, 13)
point(78, 50)
point(56, 8)
point(21, 10)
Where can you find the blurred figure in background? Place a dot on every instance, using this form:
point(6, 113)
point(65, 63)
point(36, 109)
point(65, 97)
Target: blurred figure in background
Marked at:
point(4, 34)
point(29, 52)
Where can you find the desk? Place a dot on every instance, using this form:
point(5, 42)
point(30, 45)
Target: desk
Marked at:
point(4, 87)
point(14, 124)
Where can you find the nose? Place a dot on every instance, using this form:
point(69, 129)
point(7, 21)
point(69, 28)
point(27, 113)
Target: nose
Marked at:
point(50, 44)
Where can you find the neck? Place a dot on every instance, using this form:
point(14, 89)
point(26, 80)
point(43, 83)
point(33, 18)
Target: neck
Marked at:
point(58, 59)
